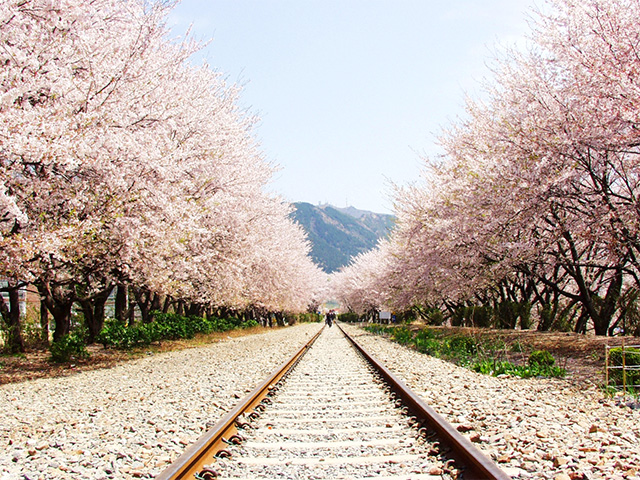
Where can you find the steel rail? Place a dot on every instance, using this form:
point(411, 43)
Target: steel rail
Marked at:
point(478, 466)
point(191, 464)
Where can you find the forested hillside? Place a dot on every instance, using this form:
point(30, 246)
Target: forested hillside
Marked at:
point(338, 234)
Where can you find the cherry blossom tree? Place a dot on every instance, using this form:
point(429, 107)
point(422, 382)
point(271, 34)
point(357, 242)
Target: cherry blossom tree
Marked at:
point(535, 198)
point(121, 163)
point(81, 103)
point(359, 287)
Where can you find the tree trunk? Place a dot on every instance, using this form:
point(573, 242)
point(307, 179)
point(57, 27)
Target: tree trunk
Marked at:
point(156, 305)
point(167, 304)
point(131, 312)
point(602, 316)
point(59, 302)
point(143, 300)
point(180, 308)
point(581, 324)
point(44, 322)
point(93, 311)
point(610, 304)
point(121, 302)
point(11, 314)
point(195, 310)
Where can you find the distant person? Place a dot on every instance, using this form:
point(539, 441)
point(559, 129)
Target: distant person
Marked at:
point(331, 316)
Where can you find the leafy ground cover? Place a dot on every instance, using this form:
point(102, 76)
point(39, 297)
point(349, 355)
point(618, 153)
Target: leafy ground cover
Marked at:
point(483, 355)
point(498, 351)
point(166, 327)
point(120, 335)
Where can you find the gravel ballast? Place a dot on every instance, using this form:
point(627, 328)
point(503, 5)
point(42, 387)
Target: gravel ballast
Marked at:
point(132, 420)
point(534, 428)
point(332, 418)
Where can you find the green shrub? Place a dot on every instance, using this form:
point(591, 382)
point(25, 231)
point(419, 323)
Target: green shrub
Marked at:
point(176, 327)
point(474, 316)
point(299, 317)
point(225, 324)
point(348, 317)
point(425, 333)
point(541, 364)
point(489, 367)
point(402, 335)
point(112, 333)
point(426, 342)
point(495, 368)
point(457, 317)
point(167, 326)
point(70, 346)
point(435, 317)
point(117, 334)
point(481, 316)
point(461, 346)
point(562, 322)
point(378, 329)
point(465, 350)
point(525, 316)
point(541, 358)
point(507, 313)
point(631, 356)
point(147, 333)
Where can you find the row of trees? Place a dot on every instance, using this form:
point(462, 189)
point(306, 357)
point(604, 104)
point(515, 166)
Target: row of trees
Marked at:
point(535, 203)
point(124, 166)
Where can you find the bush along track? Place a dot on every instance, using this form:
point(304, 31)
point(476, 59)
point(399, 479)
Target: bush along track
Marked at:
point(167, 326)
point(487, 356)
point(70, 347)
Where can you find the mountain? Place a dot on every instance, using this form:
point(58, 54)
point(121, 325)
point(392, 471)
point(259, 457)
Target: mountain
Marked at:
point(337, 234)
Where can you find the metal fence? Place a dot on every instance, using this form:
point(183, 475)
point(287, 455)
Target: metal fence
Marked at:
point(622, 369)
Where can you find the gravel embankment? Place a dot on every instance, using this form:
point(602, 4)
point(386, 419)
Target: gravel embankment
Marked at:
point(534, 428)
point(132, 420)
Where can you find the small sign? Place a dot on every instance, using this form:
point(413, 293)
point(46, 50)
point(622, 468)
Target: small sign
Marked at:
point(385, 315)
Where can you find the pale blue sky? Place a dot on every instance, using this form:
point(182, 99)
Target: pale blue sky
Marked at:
point(352, 92)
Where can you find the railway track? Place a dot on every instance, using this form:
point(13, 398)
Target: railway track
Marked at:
point(337, 414)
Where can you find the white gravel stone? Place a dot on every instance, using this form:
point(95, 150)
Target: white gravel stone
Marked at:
point(534, 428)
point(332, 419)
point(132, 420)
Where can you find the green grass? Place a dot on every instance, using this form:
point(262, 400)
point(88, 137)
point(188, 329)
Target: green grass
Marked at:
point(482, 356)
point(496, 368)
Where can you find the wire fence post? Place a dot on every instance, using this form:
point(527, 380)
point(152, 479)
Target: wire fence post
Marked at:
point(624, 372)
point(607, 348)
